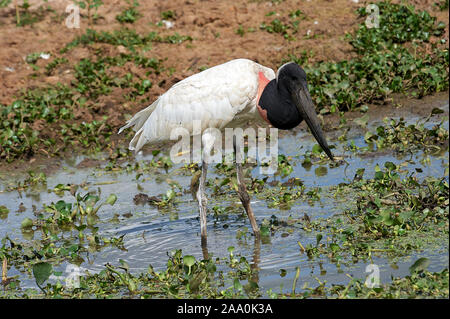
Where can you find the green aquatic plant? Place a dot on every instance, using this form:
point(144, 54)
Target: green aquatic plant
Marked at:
point(384, 64)
point(396, 134)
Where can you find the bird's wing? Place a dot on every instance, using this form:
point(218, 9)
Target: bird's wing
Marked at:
point(214, 97)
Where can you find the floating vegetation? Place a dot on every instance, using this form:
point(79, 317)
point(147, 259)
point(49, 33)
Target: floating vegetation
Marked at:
point(401, 137)
point(397, 135)
point(390, 211)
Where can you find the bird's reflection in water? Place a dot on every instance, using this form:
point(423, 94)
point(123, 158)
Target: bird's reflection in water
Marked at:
point(256, 260)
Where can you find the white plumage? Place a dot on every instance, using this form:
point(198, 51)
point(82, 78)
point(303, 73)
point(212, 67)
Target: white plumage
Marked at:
point(221, 96)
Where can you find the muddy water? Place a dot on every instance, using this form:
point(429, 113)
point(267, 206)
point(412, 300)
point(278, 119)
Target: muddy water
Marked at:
point(151, 233)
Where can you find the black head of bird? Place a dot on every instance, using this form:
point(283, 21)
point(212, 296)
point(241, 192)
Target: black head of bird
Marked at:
point(288, 102)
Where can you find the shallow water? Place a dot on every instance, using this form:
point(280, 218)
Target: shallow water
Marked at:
point(151, 233)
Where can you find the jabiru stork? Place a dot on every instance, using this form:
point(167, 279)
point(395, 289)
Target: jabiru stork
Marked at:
point(229, 94)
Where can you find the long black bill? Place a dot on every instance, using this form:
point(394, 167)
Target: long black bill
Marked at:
point(303, 101)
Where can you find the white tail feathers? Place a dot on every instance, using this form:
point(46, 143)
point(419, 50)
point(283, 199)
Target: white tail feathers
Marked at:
point(137, 122)
point(138, 141)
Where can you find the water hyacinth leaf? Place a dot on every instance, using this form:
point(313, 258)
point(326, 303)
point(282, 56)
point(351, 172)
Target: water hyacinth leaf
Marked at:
point(170, 194)
point(390, 166)
point(419, 265)
point(369, 136)
point(195, 282)
point(265, 231)
point(41, 272)
point(237, 284)
point(91, 199)
point(318, 238)
point(189, 260)
point(334, 247)
point(111, 200)
point(124, 264)
point(27, 223)
point(360, 172)
point(316, 149)
point(379, 175)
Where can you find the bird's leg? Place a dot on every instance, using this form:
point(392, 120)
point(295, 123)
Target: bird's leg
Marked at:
point(202, 201)
point(242, 191)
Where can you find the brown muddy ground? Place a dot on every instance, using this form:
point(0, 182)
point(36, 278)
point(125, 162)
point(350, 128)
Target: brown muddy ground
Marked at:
point(211, 24)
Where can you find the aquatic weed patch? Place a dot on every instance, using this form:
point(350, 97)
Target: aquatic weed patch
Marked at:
point(183, 277)
point(61, 232)
point(401, 137)
point(385, 64)
point(397, 135)
point(389, 215)
point(390, 206)
point(423, 284)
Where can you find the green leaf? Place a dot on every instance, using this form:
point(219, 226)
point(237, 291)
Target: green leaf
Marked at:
point(360, 172)
point(237, 284)
point(265, 231)
point(41, 272)
point(189, 260)
point(390, 166)
point(316, 149)
point(318, 238)
point(170, 194)
point(111, 199)
point(27, 223)
point(334, 247)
